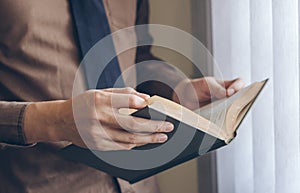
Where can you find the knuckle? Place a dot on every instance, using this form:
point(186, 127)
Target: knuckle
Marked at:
point(130, 125)
point(153, 139)
point(239, 79)
point(132, 138)
point(129, 90)
point(101, 97)
point(97, 95)
point(221, 91)
point(94, 137)
point(103, 116)
point(94, 115)
point(113, 120)
point(241, 82)
point(204, 82)
point(238, 84)
point(133, 100)
point(157, 127)
point(208, 79)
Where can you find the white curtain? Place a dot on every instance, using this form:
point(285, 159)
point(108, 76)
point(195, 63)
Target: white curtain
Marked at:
point(256, 39)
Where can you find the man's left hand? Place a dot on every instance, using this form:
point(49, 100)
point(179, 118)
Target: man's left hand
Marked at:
point(198, 92)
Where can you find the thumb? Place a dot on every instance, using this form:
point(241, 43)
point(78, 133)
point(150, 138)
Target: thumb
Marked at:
point(217, 90)
point(233, 86)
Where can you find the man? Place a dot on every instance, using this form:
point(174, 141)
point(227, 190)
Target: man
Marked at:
point(39, 56)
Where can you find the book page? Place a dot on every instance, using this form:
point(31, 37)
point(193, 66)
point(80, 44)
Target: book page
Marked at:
point(239, 107)
point(212, 119)
point(216, 111)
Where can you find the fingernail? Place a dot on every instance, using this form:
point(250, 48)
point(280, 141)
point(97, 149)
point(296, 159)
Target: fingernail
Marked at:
point(146, 96)
point(168, 127)
point(140, 101)
point(230, 92)
point(162, 138)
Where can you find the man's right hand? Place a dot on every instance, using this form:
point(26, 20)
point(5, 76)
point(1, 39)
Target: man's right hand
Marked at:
point(99, 125)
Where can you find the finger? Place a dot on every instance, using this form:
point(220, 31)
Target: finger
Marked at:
point(234, 86)
point(122, 136)
point(128, 90)
point(140, 125)
point(142, 95)
point(127, 101)
point(216, 89)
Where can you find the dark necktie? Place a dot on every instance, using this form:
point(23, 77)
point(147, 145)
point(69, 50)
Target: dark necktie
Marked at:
point(91, 26)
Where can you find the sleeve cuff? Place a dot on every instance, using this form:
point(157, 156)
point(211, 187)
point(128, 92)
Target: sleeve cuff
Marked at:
point(11, 123)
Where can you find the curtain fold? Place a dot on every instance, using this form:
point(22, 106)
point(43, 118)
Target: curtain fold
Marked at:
point(256, 39)
point(262, 66)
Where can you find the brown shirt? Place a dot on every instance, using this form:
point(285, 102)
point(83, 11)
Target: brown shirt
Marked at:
point(38, 61)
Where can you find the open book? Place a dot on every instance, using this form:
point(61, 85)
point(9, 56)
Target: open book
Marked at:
point(195, 133)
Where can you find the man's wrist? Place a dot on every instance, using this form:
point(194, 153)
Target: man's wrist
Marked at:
point(42, 122)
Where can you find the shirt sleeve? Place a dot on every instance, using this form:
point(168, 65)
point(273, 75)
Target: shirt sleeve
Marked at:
point(11, 123)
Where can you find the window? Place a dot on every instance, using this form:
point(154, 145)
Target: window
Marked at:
point(255, 39)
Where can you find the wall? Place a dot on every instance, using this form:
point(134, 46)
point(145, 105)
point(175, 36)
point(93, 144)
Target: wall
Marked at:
point(174, 13)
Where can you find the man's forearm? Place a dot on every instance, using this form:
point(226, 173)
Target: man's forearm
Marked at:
point(42, 122)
